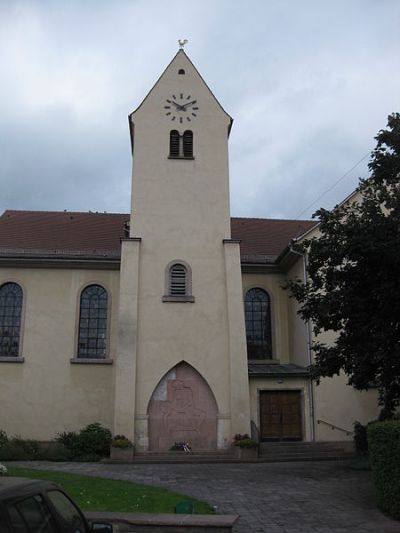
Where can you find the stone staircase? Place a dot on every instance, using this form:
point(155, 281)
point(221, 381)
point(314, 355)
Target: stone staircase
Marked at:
point(305, 451)
point(211, 456)
point(269, 452)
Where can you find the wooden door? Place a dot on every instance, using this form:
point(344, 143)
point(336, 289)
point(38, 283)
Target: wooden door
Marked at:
point(280, 415)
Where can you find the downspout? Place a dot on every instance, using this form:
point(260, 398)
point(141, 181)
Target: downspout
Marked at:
point(309, 354)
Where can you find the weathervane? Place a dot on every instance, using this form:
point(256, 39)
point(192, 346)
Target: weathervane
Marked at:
point(182, 43)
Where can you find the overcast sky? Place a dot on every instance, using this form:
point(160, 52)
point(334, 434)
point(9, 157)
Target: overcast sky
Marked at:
point(309, 84)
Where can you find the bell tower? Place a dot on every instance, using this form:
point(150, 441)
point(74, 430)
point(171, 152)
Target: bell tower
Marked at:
point(182, 342)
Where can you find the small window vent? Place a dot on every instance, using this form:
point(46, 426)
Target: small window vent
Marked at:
point(181, 71)
point(178, 280)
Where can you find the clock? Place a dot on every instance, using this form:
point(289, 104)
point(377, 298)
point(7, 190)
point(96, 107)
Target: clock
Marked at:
point(181, 108)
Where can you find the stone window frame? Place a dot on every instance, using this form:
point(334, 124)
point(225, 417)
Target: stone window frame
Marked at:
point(185, 298)
point(77, 359)
point(17, 358)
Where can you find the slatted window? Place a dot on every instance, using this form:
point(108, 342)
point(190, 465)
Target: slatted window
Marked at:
point(174, 142)
point(92, 341)
point(178, 280)
point(181, 146)
point(10, 319)
point(258, 324)
point(188, 144)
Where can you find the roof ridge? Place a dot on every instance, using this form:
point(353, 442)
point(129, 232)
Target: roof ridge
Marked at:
point(276, 219)
point(66, 212)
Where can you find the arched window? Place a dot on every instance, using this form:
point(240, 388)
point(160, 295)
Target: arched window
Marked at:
point(178, 282)
point(180, 146)
point(188, 144)
point(10, 319)
point(258, 324)
point(174, 139)
point(92, 336)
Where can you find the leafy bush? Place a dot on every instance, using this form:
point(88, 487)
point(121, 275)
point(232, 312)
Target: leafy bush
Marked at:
point(384, 453)
point(90, 444)
point(3, 438)
point(120, 441)
point(17, 449)
point(360, 438)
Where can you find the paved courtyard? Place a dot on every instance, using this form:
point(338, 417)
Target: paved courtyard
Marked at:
point(313, 497)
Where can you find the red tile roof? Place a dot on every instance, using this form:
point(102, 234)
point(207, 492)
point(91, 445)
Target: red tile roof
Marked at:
point(44, 233)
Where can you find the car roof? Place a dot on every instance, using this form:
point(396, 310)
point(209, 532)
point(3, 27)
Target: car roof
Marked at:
point(18, 486)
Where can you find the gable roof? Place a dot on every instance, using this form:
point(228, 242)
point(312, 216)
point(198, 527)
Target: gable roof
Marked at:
point(66, 234)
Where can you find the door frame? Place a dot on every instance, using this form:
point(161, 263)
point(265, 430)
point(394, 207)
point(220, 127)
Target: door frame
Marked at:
point(302, 411)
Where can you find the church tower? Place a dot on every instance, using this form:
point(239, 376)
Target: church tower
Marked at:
point(181, 369)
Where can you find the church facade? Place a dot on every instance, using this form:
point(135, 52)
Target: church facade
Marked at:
point(169, 323)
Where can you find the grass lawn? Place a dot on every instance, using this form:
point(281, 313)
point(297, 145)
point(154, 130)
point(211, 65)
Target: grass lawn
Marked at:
point(99, 494)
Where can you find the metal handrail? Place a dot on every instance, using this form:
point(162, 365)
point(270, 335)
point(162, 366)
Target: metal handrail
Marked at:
point(333, 426)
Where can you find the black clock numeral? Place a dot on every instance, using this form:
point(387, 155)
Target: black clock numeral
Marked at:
point(180, 120)
point(167, 107)
point(181, 96)
point(169, 101)
point(195, 108)
point(169, 112)
point(189, 97)
point(174, 97)
point(194, 114)
point(173, 118)
point(188, 119)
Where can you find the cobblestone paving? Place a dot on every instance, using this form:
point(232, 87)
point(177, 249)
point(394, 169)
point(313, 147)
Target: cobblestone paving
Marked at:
point(313, 497)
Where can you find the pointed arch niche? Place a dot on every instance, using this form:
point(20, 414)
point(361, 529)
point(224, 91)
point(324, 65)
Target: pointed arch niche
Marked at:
point(182, 409)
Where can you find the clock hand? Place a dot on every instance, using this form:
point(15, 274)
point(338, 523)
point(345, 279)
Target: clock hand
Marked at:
point(178, 106)
point(189, 103)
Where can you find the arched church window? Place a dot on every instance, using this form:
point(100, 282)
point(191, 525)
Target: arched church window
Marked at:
point(258, 324)
point(178, 282)
point(92, 336)
point(181, 71)
point(174, 139)
point(188, 144)
point(181, 146)
point(10, 319)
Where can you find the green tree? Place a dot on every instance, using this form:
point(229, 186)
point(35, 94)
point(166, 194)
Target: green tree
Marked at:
point(353, 285)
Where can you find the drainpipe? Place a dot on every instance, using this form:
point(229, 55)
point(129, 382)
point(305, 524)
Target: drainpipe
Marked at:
point(309, 354)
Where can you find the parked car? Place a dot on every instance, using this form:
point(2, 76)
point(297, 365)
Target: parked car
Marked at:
point(35, 506)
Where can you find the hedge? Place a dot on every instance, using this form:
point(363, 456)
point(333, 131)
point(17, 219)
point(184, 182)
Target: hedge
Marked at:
point(384, 454)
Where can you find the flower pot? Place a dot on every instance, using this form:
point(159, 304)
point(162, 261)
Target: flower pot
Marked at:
point(246, 453)
point(124, 455)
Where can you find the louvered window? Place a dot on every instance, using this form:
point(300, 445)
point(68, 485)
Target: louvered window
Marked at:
point(10, 319)
point(177, 283)
point(257, 308)
point(174, 141)
point(188, 144)
point(181, 146)
point(92, 341)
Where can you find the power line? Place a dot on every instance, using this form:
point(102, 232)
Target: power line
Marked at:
point(334, 185)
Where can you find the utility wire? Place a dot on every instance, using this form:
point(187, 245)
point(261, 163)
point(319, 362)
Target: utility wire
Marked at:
point(334, 185)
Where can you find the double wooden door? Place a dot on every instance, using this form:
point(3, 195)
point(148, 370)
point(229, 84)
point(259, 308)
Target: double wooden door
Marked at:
point(280, 415)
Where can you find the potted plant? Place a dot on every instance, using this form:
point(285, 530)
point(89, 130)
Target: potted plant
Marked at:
point(122, 449)
point(245, 447)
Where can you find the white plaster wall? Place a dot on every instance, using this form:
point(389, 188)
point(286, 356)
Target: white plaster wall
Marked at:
point(47, 394)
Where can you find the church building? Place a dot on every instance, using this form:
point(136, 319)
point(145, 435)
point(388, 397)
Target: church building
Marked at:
point(169, 323)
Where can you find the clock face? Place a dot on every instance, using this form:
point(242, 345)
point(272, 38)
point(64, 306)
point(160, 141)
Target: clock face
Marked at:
point(181, 108)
